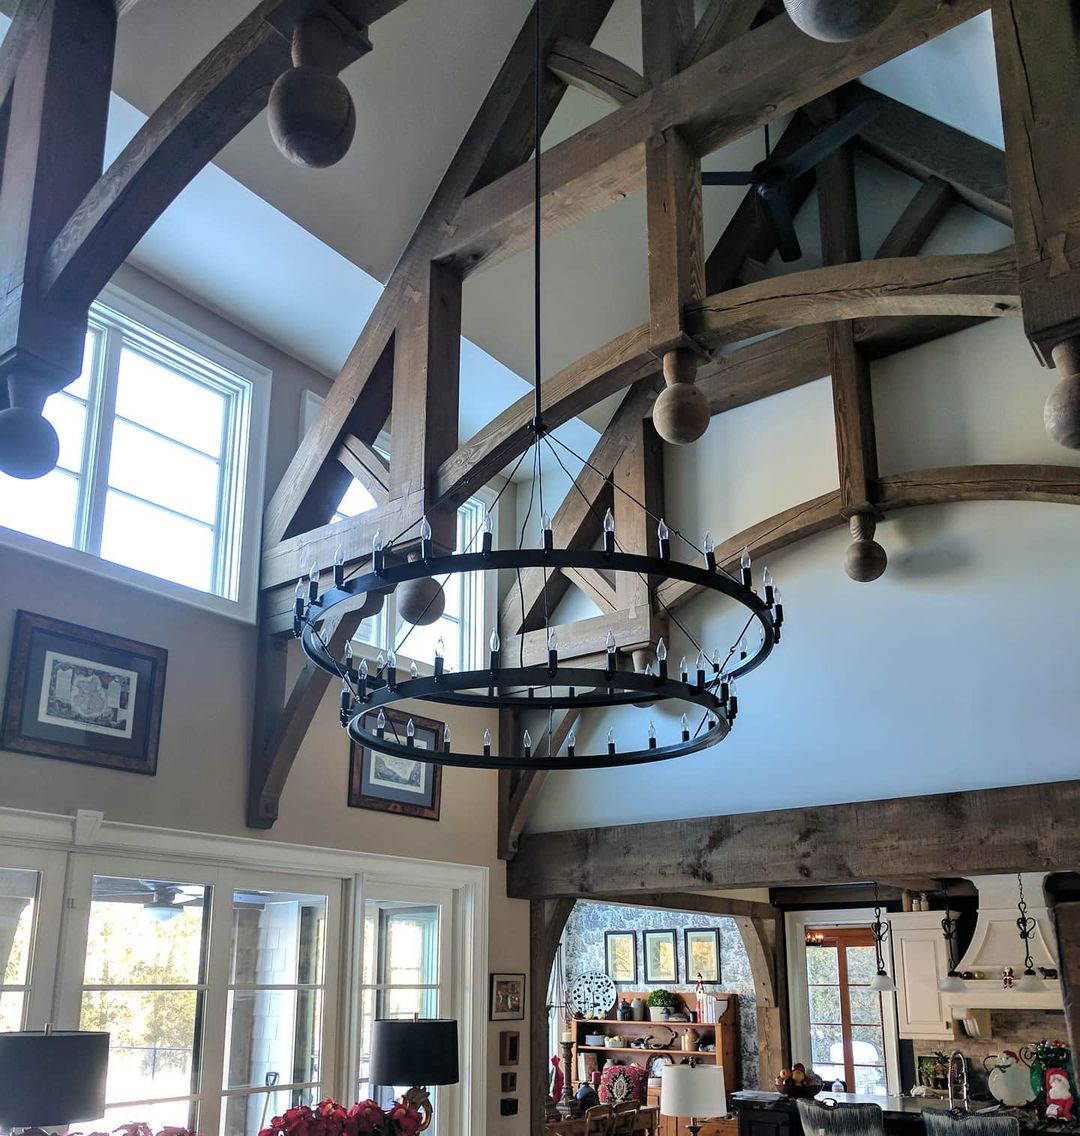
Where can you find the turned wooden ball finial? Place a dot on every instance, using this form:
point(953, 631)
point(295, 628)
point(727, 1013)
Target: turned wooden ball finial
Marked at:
point(837, 21)
point(1061, 414)
point(311, 114)
point(29, 446)
point(681, 412)
point(420, 601)
point(865, 559)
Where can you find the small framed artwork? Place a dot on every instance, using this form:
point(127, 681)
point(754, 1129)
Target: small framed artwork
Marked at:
point(507, 997)
point(702, 955)
point(82, 695)
point(388, 783)
point(508, 1082)
point(509, 1047)
point(620, 951)
point(660, 956)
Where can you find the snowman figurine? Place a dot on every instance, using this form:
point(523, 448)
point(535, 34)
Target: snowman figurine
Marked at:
point(1059, 1098)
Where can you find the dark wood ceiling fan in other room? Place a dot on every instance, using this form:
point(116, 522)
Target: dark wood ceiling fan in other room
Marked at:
point(769, 177)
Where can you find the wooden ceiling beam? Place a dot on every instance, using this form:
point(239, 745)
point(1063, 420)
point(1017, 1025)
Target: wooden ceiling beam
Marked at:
point(584, 638)
point(770, 71)
point(924, 147)
point(977, 284)
point(1019, 828)
point(933, 199)
point(17, 39)
point(1049, 483)
point(367, 466)
point(720, 23)
point(666, 25)
point(698, 902)
point(499, 133)
point(595, 73)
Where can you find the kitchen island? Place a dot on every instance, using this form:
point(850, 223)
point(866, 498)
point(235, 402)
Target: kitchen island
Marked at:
point(771, 1114)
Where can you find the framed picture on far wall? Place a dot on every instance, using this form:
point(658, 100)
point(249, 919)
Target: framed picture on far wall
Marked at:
point(82, 695)
point(702, 954)
point(388, 783)
point(620, 955)
point(661, 959)
point(507, 998)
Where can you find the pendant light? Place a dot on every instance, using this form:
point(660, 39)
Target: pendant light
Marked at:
point(882, 981)
point(1029, 982)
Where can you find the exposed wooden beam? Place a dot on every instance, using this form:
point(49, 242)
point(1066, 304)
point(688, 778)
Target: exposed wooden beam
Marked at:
point(368, 11)
point(1038, 63)
point(24, 21)
point(578, 520)
point(748, 235)
point(1066, 918)
point(367, 466)
point(978, 284)
point(773, 70)
point(700, 902)
point(666, 25)
point(495, 137)
point(270, 768)
point(935, 197)
point(595, 585)
point(763, 941)
point(547, 918)
point(1050, 483)
point(617, 364)
point(924, 147)
point(595, 73)
point(639, 499)
point(1019, 828)
point(217, 99)
point(585, 637)
point(61, 62)
point(720, 23)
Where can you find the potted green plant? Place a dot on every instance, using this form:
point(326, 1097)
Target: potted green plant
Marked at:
point(661, 1004)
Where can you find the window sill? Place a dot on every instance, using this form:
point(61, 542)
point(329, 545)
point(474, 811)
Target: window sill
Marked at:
point(243, 610)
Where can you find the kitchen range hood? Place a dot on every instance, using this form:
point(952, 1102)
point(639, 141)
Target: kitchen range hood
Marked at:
point(996, 945)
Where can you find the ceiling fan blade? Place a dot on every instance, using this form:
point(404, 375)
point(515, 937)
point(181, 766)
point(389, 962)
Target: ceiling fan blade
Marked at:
point(728, 177)
point(823, 144)
point(782, 224)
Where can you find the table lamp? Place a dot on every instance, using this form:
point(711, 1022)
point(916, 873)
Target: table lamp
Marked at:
point(696, 1091)
point(50, 1077)
point(419, 1052)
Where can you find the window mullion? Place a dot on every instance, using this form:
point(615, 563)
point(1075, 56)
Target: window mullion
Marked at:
point(216, 1005)
point(97, 467)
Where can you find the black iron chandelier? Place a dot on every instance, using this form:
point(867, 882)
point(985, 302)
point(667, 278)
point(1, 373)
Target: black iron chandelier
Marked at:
point(708, 687)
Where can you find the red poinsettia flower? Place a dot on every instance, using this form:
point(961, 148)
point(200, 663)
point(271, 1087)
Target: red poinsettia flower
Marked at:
point(405, 1120)
point(368, 1117)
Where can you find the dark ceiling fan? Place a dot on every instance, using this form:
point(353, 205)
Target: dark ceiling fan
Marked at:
point(770, 177)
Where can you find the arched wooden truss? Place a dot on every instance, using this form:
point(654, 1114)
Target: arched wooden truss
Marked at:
point(67, 225)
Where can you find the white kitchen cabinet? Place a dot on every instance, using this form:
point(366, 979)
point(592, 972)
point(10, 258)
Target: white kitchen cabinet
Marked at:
point(920, 962)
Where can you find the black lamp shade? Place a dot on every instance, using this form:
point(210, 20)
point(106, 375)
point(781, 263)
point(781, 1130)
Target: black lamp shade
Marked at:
point(405, 1052)
point(52, 1078)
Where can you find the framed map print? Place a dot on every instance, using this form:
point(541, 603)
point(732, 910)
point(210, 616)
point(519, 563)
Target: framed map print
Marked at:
point(389, 783)
point(620, 951)
point(661, 964)
point(82, 695)
point(702, 955)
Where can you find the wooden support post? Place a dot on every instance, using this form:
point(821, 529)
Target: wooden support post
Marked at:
point(1067, 933)
point(763, 939)
point(54, 148)
point(666, 26)
point(547, 918)
point(919, 219)
point(1038, 60)
point(425, 400)
point(639, 477)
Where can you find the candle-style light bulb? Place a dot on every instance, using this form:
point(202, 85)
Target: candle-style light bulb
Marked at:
point(742, 647)
point(313, 583)
point(380, 661)
point(487, 525)
point(716, 660)
point(526, 743)
point(413, 671)
point(684, 726)
point(609, 532)
point(745, 570)
point(446, 739)
point(661, 651)
point(571, 742)
point(391, 658)
point(767, 586)
point(552, 640)
point(313, 575)
point(298, 591)
point(486, 532)
point(744, 557)
point(339, 566)
point(298, 608)
point(682, 668)
point(732, 700)
point(348, 651)
point(487, 743)
point(376, 541)
point(410, 729)
point(425, 528)
point(701, 661)
point(440, 648)
point(609, 641)
point(363, 672)
point(663, 538)
point(652, 735)
point(380, 723)
point(547, 539)
point(495, 642)
point(611, 741)
point(708, 548)
point(545, 521)
point(377, 552)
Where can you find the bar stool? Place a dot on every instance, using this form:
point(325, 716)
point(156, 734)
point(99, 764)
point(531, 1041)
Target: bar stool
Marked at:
point(840, 1119)
point(940, 1122)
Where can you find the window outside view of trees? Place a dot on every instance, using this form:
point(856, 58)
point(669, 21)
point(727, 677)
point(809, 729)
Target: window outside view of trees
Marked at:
point(847, 1036)
point(153, 468)
point(18, 901)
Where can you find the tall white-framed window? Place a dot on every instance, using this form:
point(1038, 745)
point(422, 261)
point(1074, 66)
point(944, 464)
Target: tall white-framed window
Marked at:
point(835, 1018)
point(162, 446)
point(229, 971)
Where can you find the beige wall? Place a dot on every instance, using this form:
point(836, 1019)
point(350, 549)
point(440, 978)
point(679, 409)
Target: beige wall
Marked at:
point(201, 782)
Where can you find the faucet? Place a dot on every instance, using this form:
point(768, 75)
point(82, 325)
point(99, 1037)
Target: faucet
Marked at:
point(964, 1079)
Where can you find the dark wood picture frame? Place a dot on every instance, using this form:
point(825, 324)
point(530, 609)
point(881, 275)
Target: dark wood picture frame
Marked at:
point(633, 973)
point(509, 1047)
point(418, 790)
point(508, 1082)
point(77, 694)
point(652, 978)
point(507, 998)
point(692, 970)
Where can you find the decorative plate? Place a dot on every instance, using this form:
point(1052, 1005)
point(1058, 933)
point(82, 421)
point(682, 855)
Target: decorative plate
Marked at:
point(592, 994)
point(655, 1064)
